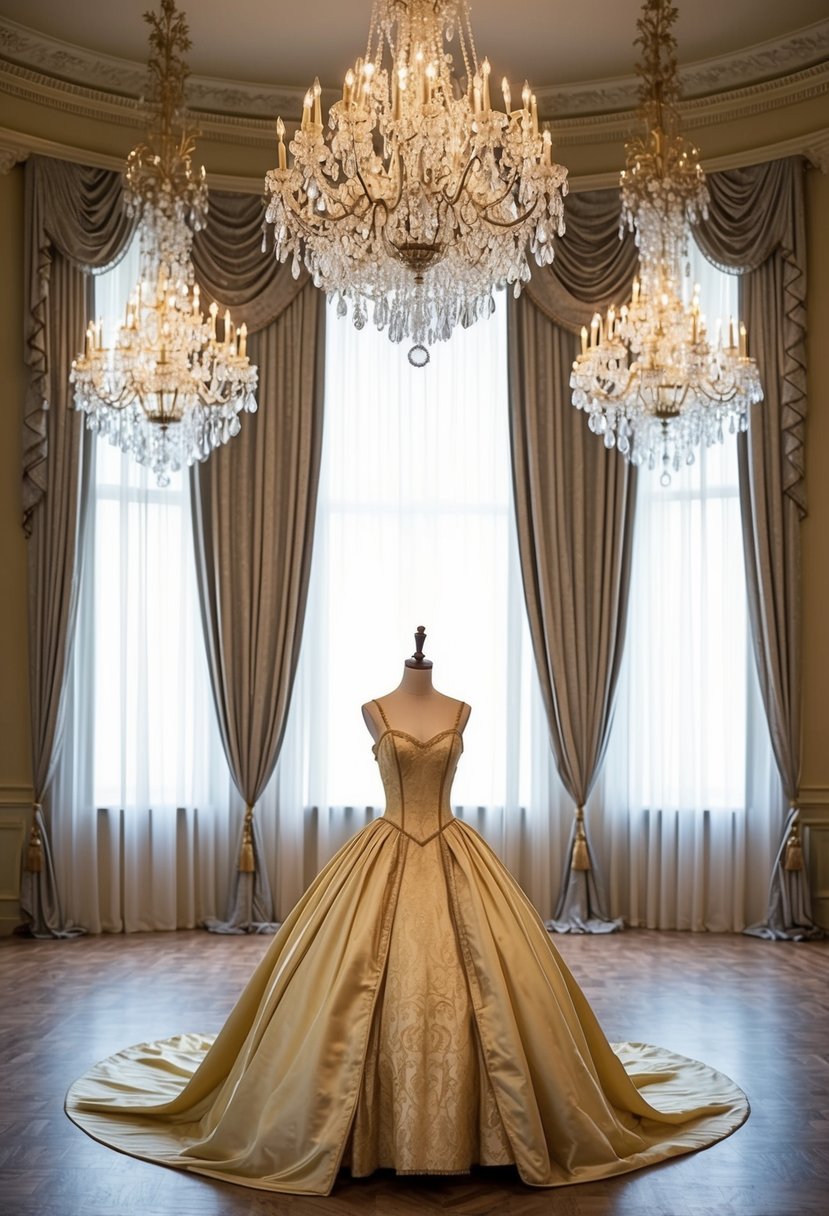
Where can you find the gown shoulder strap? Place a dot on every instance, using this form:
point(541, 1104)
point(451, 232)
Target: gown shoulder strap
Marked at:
point(461, 708)
point(382, 714)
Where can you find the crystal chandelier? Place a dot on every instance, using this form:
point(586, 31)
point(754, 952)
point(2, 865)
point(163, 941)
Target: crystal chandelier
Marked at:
point(421, 198)
point(652, 379)
point(171, 388)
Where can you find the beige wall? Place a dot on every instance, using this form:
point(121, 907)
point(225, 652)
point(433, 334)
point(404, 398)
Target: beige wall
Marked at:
point(250, 161)
point(15, 763)
point(15, 754)
point(815, 536)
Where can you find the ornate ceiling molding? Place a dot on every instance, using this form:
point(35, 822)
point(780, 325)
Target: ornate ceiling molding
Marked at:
point(124, 111)
point(121, 110)
point(16, 147)
point(752, 67)
point(697, 112)
point(51, 74)
point(75, 70)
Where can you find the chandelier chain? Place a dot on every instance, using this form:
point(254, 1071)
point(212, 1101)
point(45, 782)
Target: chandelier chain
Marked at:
point(652, 378)
point(170, 388)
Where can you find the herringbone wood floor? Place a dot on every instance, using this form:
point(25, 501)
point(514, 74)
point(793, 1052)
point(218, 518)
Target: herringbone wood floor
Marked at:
point(759, 1011)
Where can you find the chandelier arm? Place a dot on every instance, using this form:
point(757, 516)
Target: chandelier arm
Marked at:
point(209, 398)
point(507, 190)
point(383, 206)
point(507, 224)
point(715, 397)
point(121, 400)
point(328, 189)
point(400, 183)
point(464, 178)
point(310, 228)
point(615, 398)
point(324, 217)
point(360, 177)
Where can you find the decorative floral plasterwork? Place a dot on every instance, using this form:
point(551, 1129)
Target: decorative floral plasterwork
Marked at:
point(725, 73)
point(75, 65)
point(9, 157)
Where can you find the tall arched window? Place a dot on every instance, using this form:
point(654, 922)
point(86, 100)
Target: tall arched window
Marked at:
point(415, 526)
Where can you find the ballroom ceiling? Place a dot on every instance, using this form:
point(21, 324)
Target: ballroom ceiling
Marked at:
point(551, 44)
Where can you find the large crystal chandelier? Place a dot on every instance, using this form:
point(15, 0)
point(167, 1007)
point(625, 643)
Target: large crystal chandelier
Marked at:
point(422, 197)
point(652, 378)
point(171, 387)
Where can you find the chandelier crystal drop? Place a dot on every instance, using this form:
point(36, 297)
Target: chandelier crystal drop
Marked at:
point(171, 387)
point(652, 378)
point(422, 197)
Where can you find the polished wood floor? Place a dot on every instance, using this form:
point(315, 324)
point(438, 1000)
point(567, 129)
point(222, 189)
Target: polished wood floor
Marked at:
point(758, 1011)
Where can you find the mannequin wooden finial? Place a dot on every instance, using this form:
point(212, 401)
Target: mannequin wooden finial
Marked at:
point(417, 659)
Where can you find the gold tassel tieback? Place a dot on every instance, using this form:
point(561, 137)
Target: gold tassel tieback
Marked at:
point(247, 862)
point(581, 857)
point(793, 857)
point(34, 852)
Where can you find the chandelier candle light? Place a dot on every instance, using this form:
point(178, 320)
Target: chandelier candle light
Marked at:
point(423, 196)
point(171, 388)
point(650, 377)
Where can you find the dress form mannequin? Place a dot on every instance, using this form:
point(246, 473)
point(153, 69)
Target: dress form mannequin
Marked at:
point(416, 706)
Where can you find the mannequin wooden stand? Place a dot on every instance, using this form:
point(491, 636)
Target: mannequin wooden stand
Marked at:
point(415, 706)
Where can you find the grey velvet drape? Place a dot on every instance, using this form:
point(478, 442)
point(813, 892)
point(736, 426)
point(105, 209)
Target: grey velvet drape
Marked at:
point(757, 227)
point(232, 268)
point(254, 502)
point(254, 506)
point(574, 505)
point(74, 221)
point(592, 267)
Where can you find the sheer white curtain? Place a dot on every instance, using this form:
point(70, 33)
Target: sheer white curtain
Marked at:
point(140, 838)
point(690, 796)
point(415, 526)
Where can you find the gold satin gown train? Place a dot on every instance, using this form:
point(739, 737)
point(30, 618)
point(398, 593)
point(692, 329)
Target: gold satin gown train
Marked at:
point(411, 1013)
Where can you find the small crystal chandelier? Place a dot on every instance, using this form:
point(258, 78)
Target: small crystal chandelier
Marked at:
point(649, 376)
point(170, 390)
point(421, 198)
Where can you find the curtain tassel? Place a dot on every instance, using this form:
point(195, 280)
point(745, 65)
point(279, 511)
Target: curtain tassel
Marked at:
point(34, 852)
point(247, 862)
point(793, 857)
point(581, 857)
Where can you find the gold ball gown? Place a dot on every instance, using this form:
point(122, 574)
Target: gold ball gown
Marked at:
point(411, 1013)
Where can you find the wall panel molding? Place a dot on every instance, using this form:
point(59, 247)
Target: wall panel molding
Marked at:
point(15, 816)
point(813, 801)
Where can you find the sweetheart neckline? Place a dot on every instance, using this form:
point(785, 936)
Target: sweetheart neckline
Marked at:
point(450, 730)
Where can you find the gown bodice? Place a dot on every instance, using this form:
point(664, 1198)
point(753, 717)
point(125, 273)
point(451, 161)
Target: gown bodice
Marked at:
point(417, 777)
